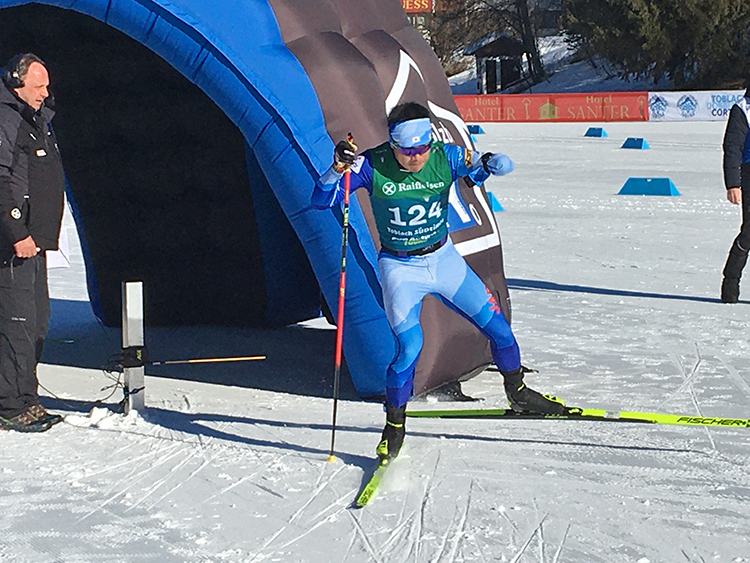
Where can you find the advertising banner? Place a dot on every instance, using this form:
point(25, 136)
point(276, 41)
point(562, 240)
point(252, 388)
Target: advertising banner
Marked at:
point(417, 6)
point(711, 105)
point(609, 106)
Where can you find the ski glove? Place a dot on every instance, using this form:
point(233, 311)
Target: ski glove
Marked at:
point(497, 164)
point(344, 154)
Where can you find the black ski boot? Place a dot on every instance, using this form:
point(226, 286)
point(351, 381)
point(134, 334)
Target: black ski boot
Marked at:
point(522, 398)
point(393, 433)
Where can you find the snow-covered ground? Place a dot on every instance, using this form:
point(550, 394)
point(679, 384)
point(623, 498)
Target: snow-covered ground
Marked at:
point(614, 302)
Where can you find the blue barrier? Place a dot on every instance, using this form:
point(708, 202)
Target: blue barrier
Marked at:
point(494, 204)
point(475, 129)
point(635, 143)
point(596, 132)
point(648, 186)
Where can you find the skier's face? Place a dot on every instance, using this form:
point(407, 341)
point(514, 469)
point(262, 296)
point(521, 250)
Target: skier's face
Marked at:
point(411, 162)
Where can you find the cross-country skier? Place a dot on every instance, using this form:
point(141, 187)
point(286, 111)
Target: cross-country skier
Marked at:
point(409, 179)
point(737, 182)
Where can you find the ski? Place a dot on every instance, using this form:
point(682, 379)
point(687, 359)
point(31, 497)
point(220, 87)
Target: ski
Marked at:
point(577, 413)
point(371, 487)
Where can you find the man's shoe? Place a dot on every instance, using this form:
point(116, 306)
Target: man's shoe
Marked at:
point(524, 399)
point(730, 290)
point(393, 434)
point(39, 413)
point(450, 391)
point(24, 422)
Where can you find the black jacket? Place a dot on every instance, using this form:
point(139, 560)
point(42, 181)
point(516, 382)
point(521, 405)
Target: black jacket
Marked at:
point(32, 181)
point(736, 159)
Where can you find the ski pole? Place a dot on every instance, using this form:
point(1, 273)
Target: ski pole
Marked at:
point(208, 360)
point(340, 316)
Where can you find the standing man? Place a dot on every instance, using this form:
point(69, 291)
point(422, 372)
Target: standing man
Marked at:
point(32, 185)
point(737, 182)
point(409, 180)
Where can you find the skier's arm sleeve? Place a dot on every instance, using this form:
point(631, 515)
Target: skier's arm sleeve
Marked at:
point(329, 189)
point(735, 137)
point(466, 162)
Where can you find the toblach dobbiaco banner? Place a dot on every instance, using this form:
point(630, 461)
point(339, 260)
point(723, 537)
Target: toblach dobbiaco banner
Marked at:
point(711, 105)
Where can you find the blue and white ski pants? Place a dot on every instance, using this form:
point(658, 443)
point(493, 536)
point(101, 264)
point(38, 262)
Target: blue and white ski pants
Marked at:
point(445, 274)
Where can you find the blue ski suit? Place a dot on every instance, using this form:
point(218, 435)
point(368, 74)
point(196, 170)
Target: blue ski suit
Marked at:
point(417, 257)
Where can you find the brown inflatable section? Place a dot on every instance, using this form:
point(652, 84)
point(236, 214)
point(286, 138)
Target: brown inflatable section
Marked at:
point(381, 60)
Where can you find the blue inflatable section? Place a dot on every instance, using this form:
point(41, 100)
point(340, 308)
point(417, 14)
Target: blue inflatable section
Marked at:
point(235, 53)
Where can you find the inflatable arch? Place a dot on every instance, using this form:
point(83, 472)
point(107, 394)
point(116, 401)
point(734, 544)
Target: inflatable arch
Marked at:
point(214, 216)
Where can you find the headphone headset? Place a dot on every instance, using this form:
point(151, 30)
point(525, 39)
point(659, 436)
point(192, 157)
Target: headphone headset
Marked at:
point(12, 76)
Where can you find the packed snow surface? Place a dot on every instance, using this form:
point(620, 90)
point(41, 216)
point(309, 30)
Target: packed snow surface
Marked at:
point(615, 302)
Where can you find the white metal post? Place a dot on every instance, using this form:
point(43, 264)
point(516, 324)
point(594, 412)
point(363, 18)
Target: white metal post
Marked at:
point(132, 335)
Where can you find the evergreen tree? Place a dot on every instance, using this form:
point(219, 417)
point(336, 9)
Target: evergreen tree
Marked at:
point(694, 43)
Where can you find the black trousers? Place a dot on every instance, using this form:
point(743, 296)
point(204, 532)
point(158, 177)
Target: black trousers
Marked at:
point(738, 253)
point(744, 237)
point(24, 319)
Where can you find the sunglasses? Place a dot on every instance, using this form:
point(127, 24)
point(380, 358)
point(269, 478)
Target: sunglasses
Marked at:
point(413, 151)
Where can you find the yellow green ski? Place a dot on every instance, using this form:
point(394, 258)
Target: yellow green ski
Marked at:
point(577, 413)
point(368, 491)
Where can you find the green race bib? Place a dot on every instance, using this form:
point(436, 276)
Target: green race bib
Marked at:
point(410, 208)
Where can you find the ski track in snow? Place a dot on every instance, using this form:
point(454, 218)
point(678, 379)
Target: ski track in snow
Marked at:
point(614, 302)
